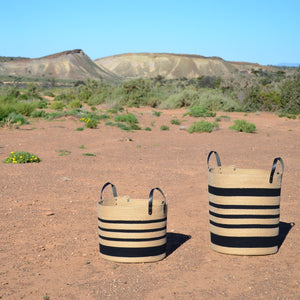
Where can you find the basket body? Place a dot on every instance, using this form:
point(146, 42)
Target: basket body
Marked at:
point(127, 233)
point(244, 210)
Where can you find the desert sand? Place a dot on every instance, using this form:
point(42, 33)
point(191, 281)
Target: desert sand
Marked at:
point(48, 219)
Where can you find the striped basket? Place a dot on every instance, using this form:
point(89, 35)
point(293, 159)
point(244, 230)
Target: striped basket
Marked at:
point(132, 230)
point(244, 208)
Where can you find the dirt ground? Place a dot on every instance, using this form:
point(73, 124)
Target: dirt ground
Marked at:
point(48, 218)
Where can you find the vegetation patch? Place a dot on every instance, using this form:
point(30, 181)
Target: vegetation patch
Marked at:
point(21, 157)
point(243, 126)
point(63, 152)
point(89, 154)
point(130, 120)
point(203, 126)
point(156, 113)
point(175, 122)
point(164, 127)
point(200, 111)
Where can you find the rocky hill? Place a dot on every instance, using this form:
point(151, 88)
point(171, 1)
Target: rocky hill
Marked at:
point(76, 65)
point(73, 64)
point(171, 66)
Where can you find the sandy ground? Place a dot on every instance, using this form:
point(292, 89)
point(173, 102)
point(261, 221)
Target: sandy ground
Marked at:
point(48, 219)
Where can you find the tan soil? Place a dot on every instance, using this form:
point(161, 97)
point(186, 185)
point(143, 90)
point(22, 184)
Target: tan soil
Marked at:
point(48, 218)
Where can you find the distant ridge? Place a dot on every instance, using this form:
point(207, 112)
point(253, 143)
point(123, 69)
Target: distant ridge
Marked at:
point(76, 65)
point(73, 64)
point(171, 66)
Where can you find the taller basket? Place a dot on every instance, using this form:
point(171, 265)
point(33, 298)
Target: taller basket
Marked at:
point(132, 230)
point(244, 208)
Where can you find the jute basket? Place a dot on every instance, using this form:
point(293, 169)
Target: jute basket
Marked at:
point(132, 230)
point(244, 208)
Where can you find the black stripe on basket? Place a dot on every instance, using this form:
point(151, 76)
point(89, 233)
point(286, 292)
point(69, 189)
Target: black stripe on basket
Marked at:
point(131, 221)
point(244, 242)
point(244, 192)
point(226, 206)
point(132, 252)
point(132, 230)
point(243, 216)
point(131, 240)
point(238, 226)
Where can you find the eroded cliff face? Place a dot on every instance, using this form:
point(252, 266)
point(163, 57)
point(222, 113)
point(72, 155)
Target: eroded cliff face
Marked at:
point(74, 64)
point(171, 66)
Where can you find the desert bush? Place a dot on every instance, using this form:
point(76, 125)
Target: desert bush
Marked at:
point(164, 127)
point(203, 126)
point(175, 122)
point(17, 118)
point(38, 114)
point(148, 129)
point(65, 98)
point(156, 113)
point(182, 99)
point(75, 104)
point(21, 157)
point(119, 125)
point(128, 118)
point(90, 122)
point(57, 105)
point(258, 99)
point(215, 100)
point(243, 126)
point(200, 111)
point(290, 94)
point(96, 99)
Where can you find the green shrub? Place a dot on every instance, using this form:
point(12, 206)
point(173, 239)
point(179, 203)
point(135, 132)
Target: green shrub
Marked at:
point(75, 104)
point(57, 105)
point(286, 115)
point(90, 122)
point(156, 113)
point(164, 127)
point(115, 109)
point(203, 126)
point(21, 157)
point(200, 111)
point(130, 119)
point(243, 126)
point(38, 114)
point(119, 125)
point(42, 104)
point(89, 154)
point(215, 100)
point(17, 118)
point(175, 122)
point(148, 129)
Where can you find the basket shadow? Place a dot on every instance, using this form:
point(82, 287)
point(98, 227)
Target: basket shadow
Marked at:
point(174, 241)
point(284, 229)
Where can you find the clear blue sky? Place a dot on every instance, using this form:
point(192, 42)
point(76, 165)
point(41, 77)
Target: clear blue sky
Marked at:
point(259, 31)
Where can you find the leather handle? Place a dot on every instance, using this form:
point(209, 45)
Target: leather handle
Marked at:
point(217, 158)
point(114, 190)
point(274, 167)
point(151, 199)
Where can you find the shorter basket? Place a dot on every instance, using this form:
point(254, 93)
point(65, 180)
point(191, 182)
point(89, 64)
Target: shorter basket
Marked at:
point(244, 208)
point(132, 230)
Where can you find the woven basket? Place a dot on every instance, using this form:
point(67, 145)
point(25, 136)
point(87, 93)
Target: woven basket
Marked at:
point(244, 208)
point(132, 230)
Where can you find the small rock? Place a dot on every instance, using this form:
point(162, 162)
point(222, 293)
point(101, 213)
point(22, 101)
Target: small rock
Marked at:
point(50, 213)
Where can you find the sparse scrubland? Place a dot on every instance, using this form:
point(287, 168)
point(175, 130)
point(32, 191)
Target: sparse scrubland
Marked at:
point(202, 96)
point(85, 133)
